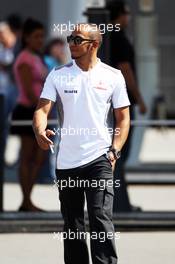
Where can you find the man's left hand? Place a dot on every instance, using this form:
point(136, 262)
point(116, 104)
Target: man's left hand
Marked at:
point(112, 160)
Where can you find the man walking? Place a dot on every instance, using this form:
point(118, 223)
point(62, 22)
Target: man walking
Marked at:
point(88, 151)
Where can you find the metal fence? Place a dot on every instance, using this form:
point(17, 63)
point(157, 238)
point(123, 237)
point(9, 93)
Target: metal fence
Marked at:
point(137, 123)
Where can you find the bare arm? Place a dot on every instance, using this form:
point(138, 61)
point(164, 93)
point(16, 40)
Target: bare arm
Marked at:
point(122, 125)
point(121, 130)
point(40, 123)
point(26, 79)
point(132, 85)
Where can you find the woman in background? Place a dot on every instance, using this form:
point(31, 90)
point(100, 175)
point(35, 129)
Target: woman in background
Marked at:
point(30, 73)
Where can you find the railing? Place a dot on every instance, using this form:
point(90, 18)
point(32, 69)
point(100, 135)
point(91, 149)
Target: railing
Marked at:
point(138, 123)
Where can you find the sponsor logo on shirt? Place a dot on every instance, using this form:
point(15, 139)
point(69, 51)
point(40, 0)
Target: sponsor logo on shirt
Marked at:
point(70, 91)
point(100, 86)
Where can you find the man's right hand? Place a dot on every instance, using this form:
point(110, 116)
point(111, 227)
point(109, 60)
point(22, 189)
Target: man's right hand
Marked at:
point(43, 139)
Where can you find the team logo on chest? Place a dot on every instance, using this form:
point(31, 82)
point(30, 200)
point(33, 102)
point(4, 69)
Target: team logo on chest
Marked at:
point(100, 85)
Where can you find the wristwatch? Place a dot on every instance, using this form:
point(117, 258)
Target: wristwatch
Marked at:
point(116, 153)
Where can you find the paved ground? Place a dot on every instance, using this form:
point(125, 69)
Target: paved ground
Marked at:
point(133, 248)
point(152, 197)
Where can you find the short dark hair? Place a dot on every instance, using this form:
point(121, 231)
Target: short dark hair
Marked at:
point(116, 8)
point(53, 42)
point(15, 22)
point(30, 25)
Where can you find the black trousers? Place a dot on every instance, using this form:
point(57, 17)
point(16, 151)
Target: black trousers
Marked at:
point(96, 177)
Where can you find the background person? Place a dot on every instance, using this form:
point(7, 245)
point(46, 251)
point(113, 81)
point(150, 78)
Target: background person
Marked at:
point(30, 73)
point(15, 23)
point(123, 58)
point(54, 54)
point(7, 57)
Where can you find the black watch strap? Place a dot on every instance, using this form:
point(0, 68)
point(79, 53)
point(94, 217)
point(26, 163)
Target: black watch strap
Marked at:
point(117, 153)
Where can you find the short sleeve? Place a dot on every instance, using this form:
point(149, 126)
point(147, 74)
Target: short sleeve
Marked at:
point(25, 57)
point(122, 50)
point(120, 95)
point(49, 90)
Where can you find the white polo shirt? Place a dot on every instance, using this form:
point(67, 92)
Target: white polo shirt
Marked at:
point(85, 98)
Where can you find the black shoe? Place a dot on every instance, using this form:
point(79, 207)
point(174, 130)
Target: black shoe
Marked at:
point(23, 209)
point(136, 208)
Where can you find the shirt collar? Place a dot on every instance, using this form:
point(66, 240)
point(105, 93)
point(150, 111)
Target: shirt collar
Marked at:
point(92, 69)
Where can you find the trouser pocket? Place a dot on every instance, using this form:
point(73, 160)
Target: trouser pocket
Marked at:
point(108, 200)
point(107, 159)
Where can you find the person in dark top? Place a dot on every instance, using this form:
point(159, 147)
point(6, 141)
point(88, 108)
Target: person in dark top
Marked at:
point(125, 54)
point(122, 57)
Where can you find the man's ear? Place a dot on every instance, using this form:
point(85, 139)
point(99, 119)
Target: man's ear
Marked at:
point(95, 44)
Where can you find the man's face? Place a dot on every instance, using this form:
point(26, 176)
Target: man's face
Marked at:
point(78, 51)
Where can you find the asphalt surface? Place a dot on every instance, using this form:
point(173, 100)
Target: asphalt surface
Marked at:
point(132, 247)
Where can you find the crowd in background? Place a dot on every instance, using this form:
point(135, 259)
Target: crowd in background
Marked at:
point(26, 58)
point(25, 61)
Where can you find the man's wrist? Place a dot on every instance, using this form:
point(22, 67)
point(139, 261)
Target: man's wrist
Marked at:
point(38, 132)
point(116, 152)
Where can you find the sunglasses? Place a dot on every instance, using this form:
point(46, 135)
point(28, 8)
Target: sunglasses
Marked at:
point(77, 40)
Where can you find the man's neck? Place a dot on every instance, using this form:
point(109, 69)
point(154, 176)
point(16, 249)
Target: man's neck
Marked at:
point(86, 64)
